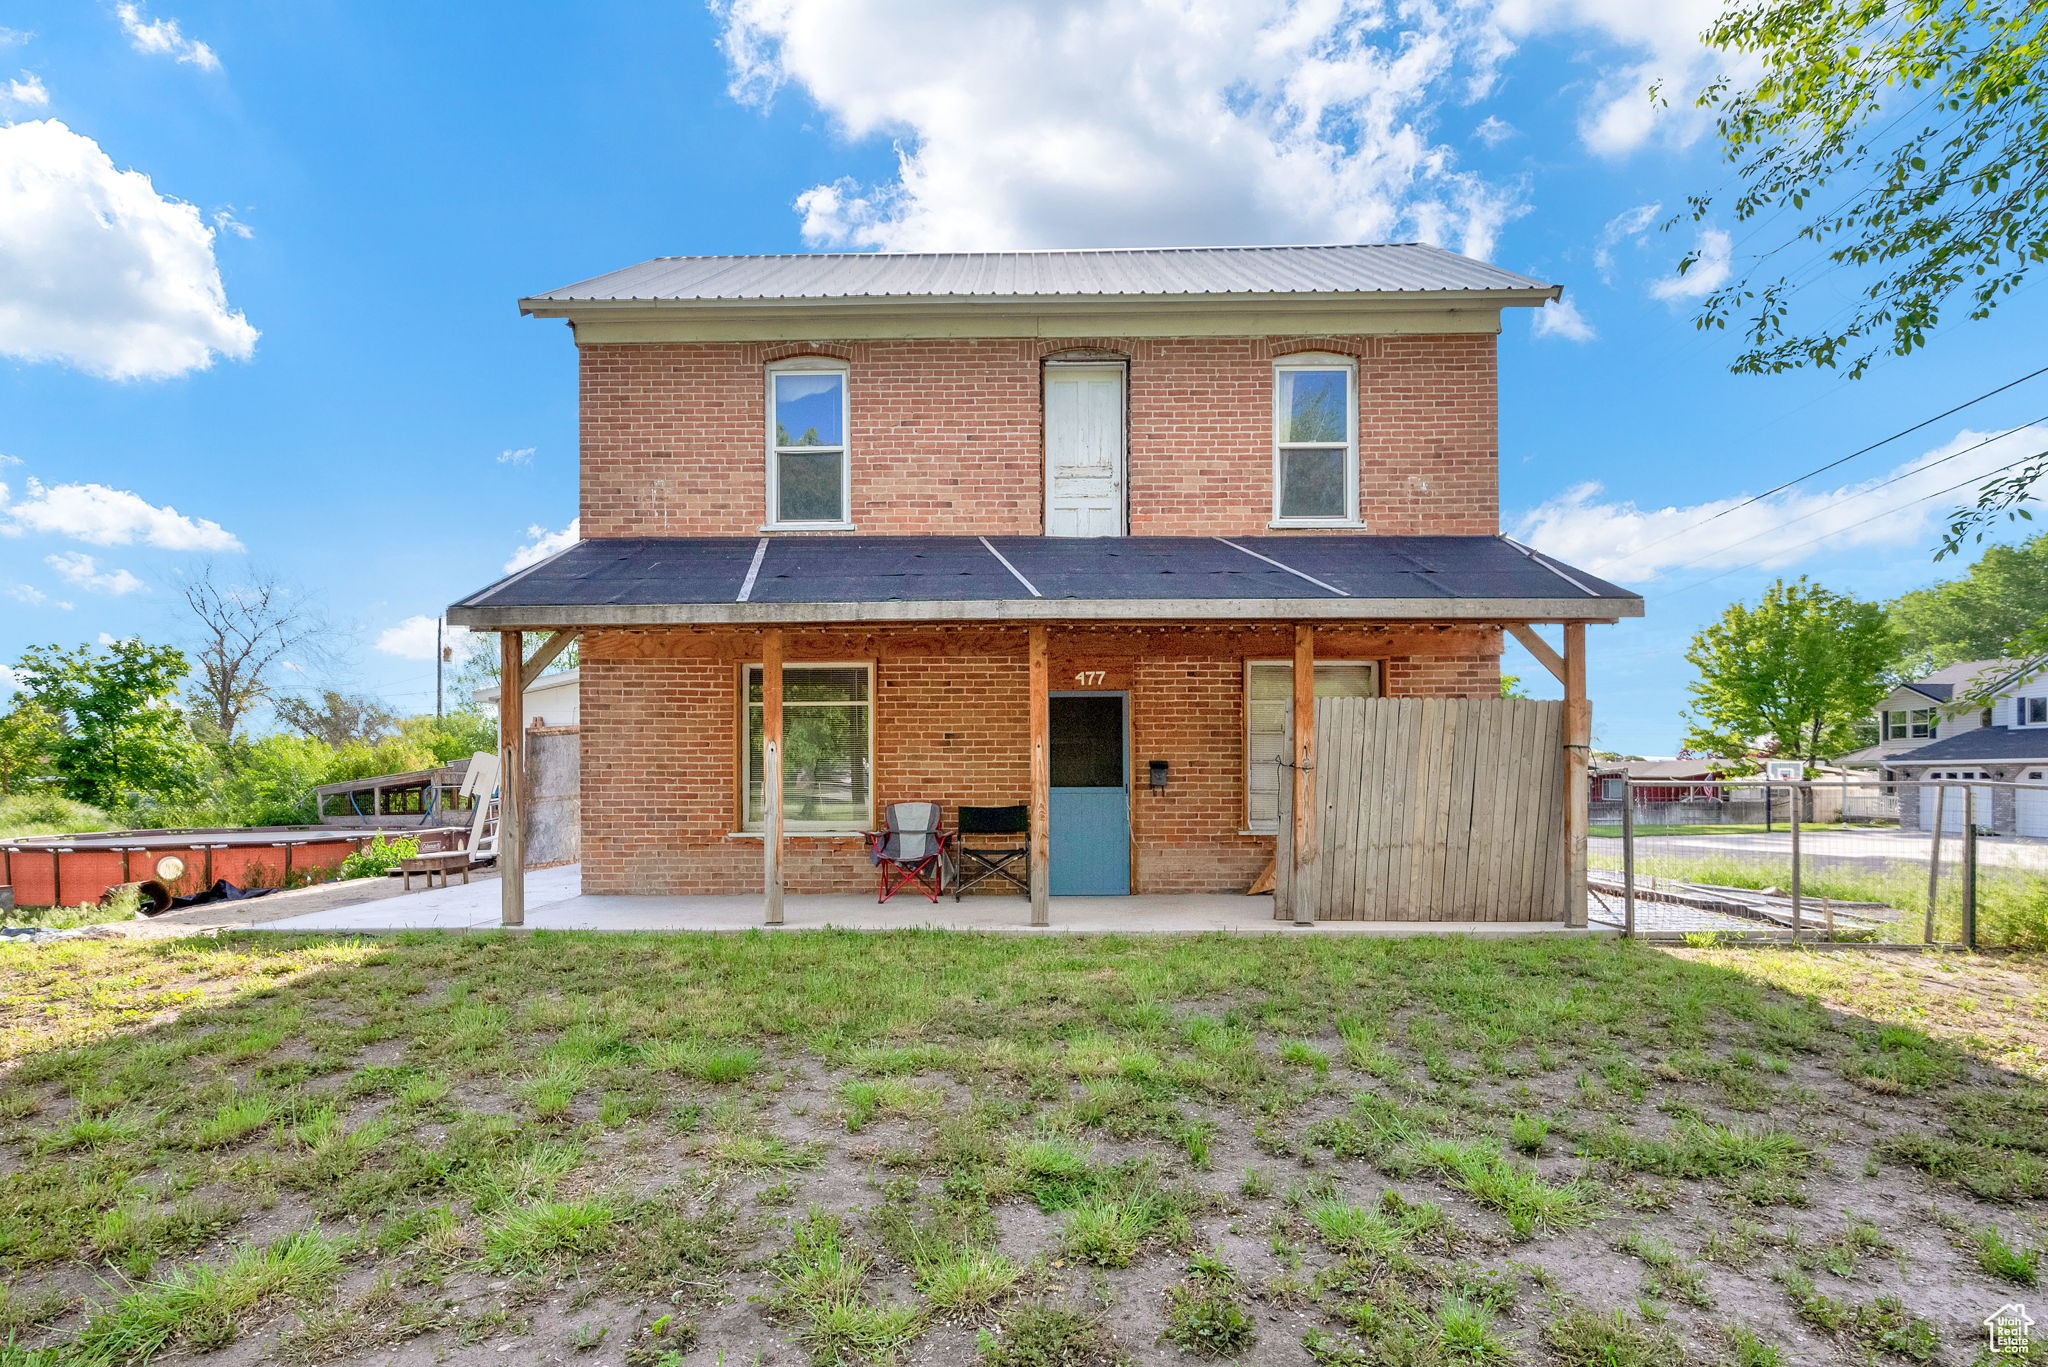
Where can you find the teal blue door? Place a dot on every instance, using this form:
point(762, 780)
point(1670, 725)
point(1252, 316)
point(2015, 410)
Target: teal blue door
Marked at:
point(1091, 796)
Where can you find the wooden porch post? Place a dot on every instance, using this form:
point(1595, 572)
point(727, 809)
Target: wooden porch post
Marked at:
point(1303, 791)
point(1578, 740)
point(771, 773)
point(1041, 777)
point(511, 741)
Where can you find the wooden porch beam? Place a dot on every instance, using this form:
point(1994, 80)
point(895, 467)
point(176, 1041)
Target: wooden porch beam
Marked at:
point(511, 743)
point(1540, 648)
point(771, 774)
point(1041, 776)
point(544, 655)
point(1303, 791)
point(1578, 741)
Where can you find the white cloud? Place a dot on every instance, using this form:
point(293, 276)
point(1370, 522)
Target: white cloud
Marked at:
point(7, 460)
point(102, 516)
point(10, 682)
point(1619, 540)
point(522, 456)
point(544, 543)
point(108, 638)
point(1648, 42)
point(1561, 318)
point(25, 91)
point(35, 597)
point(1493, 131)
point(99, 270)
point(1019, 124)
point(163, 37)
point(224, 220)
point(1627, 226)
point(76, 567)
point(413, 639)
point(1708, 273)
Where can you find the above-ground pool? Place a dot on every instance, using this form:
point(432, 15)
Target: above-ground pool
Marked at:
point(66, 870)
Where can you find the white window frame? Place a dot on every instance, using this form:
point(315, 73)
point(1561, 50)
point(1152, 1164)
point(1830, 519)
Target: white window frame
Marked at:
point(2021, 711)
point(809, 365)
point(1372, 667)
point(1929, 723)
point(747, 826)
point(1317, 361)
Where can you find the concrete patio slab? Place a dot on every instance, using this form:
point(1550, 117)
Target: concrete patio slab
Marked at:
point(555, 901)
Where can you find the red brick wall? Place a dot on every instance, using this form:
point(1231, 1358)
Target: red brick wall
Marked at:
point(660, 743)
point(945, 433)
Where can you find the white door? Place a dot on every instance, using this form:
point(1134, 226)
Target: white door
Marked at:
point(1952, 801)
point(2030, 803)
point(1084, 450)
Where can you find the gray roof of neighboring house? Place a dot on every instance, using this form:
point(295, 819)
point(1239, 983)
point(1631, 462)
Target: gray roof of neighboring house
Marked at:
point(1943, 684)
point(652, 580)
point(1701, 767)
point(1984, 743)
point(1884, 753)
point(1364, 268)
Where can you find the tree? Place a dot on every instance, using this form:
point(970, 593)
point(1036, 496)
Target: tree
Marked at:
point(118, 732)
point(1906, 141)
point(244, 631)
point(1984, 615)
point(1511, 686)
point(28, 744)
point(1792, 675)
point(1909, 141)
point(337, 719)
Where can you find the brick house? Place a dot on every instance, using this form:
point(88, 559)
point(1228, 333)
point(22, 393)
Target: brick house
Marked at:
point(1071, 529)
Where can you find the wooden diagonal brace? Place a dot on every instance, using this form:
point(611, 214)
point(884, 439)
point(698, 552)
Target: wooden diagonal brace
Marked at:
point(544, 655)
point(1538, 647)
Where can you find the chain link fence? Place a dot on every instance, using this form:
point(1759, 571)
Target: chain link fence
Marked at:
point(1944, 863)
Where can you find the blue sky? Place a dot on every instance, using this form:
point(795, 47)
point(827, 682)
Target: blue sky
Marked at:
point(294, 347)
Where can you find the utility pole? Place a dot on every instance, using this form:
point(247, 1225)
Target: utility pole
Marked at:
point(440, 654)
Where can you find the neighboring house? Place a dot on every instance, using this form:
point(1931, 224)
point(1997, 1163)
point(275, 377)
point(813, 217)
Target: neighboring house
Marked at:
point(553, 699)
point(1913, 714)
point(1927, 737)
point(1661, 780)
point(1049, 528)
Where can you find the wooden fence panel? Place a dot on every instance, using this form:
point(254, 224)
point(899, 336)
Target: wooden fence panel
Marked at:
point(1437, 809)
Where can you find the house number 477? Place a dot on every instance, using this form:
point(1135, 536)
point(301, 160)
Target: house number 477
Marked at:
point(1091, 678)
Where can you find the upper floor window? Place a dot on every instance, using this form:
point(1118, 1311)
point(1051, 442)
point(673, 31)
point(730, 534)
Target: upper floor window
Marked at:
point(808, 475)
point(1315, 442)
point(1914, 725)
point(2030, 711)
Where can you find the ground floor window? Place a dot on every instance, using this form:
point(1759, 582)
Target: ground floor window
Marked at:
point(827, 747)
point(1268, 693)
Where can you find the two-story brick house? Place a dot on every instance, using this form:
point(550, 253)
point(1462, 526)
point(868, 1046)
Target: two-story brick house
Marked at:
point(1054, 527)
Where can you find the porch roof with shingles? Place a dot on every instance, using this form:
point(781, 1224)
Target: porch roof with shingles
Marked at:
point(649, 581)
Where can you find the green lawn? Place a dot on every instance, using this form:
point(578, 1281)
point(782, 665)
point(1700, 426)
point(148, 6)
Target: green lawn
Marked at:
point(1646, 831)
point(829, 1147)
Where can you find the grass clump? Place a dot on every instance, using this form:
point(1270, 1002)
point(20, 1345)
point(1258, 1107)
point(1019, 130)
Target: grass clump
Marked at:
point(1203, 1317)
point(1517, 1191)
point(1589, 1338)
point(202, 1308)
point(529, 1238)
point(1035, 1335)
point(967, 1279)
point(2006, 1260)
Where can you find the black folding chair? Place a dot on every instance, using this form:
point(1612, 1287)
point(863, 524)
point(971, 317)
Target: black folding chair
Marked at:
point(990, 840)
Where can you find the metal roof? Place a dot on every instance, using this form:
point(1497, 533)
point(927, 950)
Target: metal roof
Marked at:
point(1364, 268)
point(625, 581)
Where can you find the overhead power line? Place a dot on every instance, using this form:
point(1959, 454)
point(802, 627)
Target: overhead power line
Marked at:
point(1843, 460)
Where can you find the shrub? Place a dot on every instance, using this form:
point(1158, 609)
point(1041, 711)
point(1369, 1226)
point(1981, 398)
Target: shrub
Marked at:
point(49, 813)
point(377, 858)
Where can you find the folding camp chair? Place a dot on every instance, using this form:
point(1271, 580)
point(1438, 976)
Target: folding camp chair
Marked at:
point(910, 850)
point(991, 839)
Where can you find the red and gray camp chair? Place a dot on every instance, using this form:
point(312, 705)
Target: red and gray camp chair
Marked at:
point(910, 850)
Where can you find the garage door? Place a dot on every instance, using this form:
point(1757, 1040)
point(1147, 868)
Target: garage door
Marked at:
point(2030, 805)
point(1952, 804)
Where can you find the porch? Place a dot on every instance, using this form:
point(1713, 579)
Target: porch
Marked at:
point(555, 901)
